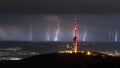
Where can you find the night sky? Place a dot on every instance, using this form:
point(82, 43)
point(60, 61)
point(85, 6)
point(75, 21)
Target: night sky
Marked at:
point(100, 19)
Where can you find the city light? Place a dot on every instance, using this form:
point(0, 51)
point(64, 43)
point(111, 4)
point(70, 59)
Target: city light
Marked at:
point(88, 53)
point(66, 51)
point(10, 58)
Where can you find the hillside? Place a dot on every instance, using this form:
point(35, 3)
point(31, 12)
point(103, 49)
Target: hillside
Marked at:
point(65, 60)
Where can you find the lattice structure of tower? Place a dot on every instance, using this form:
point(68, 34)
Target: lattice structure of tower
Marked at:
point(75, 39)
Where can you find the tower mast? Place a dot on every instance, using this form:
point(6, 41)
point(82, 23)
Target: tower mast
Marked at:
point(75, 39)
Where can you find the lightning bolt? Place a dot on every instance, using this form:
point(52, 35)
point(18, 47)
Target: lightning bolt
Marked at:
point(57, 32)
point(30, 35)
point(116, 36)
point(47, 34)
point(84, 36)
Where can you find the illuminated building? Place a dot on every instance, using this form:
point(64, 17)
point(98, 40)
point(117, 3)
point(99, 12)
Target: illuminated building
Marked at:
point(75, 44)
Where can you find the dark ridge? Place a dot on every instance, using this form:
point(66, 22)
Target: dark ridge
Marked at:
point(65, 60)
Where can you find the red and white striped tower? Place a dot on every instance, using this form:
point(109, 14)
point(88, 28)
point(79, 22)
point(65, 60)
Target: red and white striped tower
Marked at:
point(75, 44)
